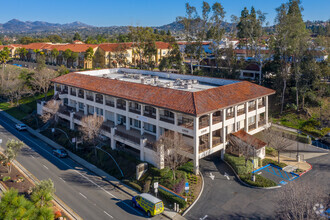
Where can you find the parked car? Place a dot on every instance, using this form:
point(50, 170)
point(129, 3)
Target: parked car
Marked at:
point(21, 127)
point(61, 153)
point(148, 203)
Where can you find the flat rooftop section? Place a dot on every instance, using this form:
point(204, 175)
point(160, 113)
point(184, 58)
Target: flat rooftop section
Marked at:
point(161, 79)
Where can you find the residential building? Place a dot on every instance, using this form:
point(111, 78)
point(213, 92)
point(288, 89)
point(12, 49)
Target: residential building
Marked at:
point(139, 106)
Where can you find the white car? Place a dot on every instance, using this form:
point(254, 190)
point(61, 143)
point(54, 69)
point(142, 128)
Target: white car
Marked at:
point(21, 127)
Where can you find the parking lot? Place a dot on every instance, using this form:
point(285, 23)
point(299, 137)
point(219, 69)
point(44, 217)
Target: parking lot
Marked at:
point(276, 174)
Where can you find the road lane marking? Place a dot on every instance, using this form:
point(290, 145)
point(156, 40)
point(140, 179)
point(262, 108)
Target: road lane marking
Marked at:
point(46, 167)
point(32, 156)
point(83, 195)
point(212, 176)
point(73, 169)
point(62, 179)
point(107, 214)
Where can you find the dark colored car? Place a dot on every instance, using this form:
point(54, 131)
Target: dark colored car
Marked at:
point(61, 153)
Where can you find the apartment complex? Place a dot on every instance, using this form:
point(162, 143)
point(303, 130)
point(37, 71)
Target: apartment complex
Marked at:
point(139, 106)
point(104, 54)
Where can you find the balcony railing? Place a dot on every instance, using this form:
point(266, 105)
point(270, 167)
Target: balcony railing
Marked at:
point(106, 127)
point(64, 91)
point(121, 106)
point(64, 111)
point(110, 103)
point(134, 110)
point(149, 114)
point(186, 123)
point(99, 100)
point(230, 115)
point(241, 112)
point(81, 95)
point(216, 119)
point(90, 97)
point(78, 116)
point(166, 119)
point(252, 127)
point(203, 123)
point(203, 147)
point(252, 108)
point(261, 105)
point(128, 137)
point(73, 93)
point(261, 123)
point(151, 146)
point(216, 141)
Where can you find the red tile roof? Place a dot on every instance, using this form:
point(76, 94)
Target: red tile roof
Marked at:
point(162, 45)
point(114, 46)
point(194, 103)
point(249, 139)
point(60, 47)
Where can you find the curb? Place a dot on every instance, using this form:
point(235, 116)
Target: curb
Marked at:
point(306, 170)
point(245, 184)
point(200, 193)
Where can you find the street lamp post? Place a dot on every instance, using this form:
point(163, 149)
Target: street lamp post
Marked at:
point(298, 156)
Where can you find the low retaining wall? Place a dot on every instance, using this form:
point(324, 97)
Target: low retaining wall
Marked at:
point(173, 193)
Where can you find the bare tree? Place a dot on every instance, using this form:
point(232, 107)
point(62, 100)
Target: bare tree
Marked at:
point(41, 80)
point(10, 154)
point(174, 150)
point(296, 201)
point(244, 148)
point(50, 111)
point(280, 142)
point(90, 128)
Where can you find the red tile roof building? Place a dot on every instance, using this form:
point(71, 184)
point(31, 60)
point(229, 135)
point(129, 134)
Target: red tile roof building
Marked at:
point(140, 105)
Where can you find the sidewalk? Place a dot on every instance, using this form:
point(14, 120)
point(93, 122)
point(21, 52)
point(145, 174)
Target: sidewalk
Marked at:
point(112, 180)
point(292, 162)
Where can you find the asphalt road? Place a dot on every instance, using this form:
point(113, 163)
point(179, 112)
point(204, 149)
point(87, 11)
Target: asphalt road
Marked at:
point(83, 191)
point(228, 199)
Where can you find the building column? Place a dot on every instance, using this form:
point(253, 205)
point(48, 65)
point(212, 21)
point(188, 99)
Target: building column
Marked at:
point(266, 110)
point(143, 142)
point(224, 126)
point(157, 125)
point(142, 123)
point(211, 131)
point(196, 146)
point(246, 126)
point(235, 118)
point(257, 114)
point(112, 139)
point(175, 118)
point(71, 121)
point(128, 127)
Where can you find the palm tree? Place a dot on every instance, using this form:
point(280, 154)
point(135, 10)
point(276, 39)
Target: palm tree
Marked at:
point(67, 54)
point(54, 53)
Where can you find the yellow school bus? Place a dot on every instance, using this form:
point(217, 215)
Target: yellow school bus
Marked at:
point(148, 203)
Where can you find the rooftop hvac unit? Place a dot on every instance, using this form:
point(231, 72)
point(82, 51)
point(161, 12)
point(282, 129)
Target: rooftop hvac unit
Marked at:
point(187, 86)
point(195, 81)
point(160, 84)
point(104, 75)
point(143, 81)
point(137, 76)
point(170, 84)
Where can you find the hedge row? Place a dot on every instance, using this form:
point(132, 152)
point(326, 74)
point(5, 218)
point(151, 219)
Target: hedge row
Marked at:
point(133, 185)
point(260, 180)
point(238, 163)
point(171, 199)
point(270, 161)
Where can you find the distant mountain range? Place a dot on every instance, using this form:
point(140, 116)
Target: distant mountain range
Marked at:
point(19, 27)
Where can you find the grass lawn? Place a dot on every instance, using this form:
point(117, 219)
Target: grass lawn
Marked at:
point(26, 105)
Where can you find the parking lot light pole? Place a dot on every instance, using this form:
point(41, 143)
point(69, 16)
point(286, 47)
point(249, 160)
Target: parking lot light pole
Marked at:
point(298, 156)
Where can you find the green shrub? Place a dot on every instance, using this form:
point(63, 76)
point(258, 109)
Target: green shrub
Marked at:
point(171, 199)
point(238, 163)
point(155, 171)
point(187, 167)
point(260, 180)
point(146, 187)
point(270, 161)
point(271, 151)
point(6, 178)
point(133, 185)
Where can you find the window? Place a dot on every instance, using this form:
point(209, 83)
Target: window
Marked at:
point(81, 106)
point(99, 111)
point(168, 114)
point(149, 127)
point(238, 125)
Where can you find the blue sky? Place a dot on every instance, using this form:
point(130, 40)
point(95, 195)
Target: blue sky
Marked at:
point(138, 12)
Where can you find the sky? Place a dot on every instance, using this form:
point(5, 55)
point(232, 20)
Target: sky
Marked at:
point(139, 12)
